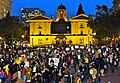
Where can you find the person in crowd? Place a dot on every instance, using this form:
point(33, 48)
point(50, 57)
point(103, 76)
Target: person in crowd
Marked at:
point(24, 73)
point(78, 80)
point(37, 64)
point(66, 74)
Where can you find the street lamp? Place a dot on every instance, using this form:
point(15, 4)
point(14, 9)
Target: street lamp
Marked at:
point(0, 38)
point(119, 36)
point(94, 34)
point(23, 36)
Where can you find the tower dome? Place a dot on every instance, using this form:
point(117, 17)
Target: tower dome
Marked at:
point(61, 12)
point(61, 7)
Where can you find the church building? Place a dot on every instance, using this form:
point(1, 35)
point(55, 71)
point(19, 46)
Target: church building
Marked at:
point(46, 31)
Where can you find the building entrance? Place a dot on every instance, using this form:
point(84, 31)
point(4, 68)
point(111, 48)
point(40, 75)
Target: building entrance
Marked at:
point(60, 40)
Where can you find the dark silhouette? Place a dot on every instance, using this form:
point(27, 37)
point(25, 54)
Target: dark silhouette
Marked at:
point(80, 10)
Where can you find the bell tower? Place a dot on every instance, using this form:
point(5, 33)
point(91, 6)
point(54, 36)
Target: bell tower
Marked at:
point(61, 13)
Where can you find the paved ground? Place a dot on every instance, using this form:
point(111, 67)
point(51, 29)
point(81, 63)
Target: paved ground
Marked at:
point(112, 77)
point(108, 78)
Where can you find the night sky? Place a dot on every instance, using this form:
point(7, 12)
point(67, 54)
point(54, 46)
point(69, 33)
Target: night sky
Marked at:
point(50, 6)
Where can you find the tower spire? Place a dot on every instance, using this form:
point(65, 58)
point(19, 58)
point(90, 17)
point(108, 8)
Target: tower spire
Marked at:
point(80, 10)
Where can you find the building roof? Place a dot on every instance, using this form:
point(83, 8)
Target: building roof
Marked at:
point(80, 10)
point(31, 9)
point(81, 16)
point(61, 21)
point(24, 9)
point(61, 7)
point(40, 17)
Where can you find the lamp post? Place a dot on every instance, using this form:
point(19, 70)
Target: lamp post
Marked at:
point(94, 34)
point(0, 38)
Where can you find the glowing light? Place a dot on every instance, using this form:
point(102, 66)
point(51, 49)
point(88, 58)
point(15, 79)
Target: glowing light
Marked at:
point(67, 27)
point(23, 36)
point(0, 37)
point(94, 33)
point(21, 8)
point(88, 34)
point(28, 45)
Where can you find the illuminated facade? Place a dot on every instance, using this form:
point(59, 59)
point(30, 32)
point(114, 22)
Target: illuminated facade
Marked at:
point(45, 31)
point(5, 6)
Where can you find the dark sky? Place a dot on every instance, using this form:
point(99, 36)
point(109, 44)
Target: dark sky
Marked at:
point(50, 6)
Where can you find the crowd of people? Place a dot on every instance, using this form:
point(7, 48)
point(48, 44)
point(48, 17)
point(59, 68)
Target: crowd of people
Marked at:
point(73, 64)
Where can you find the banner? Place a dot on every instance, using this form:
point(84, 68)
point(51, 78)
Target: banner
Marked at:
point(72, 47)
point(56, 61)
point(27, 64)
point(67, 49)
point(76, 46)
